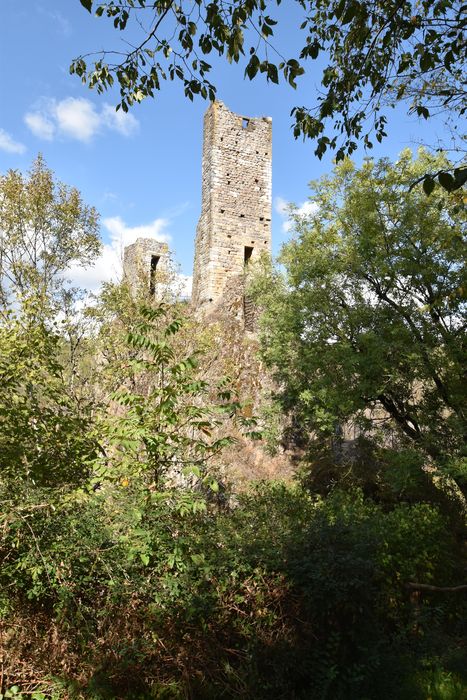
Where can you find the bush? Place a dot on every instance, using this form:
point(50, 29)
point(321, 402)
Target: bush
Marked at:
point(285, 596)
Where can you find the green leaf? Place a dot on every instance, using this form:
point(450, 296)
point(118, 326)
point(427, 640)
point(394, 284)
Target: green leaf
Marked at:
point(350, 13)
point(423, 112)
point(87, 4)
point(446, 181)
point(460, 178)
point(428, 185)
point(272, 73)
point(252, 67)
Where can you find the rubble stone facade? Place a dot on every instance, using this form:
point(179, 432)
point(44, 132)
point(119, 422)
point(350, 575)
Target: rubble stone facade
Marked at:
point(235, 223)
point(145, 264)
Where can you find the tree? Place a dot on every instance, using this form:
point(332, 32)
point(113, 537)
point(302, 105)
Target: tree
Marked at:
point(377, 54)
point(164, 416)
point(44, 228)
point(45, 432)
point(370, 309)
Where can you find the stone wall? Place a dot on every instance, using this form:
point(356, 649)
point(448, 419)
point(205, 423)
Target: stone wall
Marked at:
point(235, 223)
point(146, 265)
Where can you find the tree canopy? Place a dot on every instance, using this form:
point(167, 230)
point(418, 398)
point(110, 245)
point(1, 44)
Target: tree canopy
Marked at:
point(370, 309)
point(376, 54)
point(44, 227)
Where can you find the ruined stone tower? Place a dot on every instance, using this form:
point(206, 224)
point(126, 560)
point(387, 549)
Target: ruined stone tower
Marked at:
point(145, 265)
point(235, 223)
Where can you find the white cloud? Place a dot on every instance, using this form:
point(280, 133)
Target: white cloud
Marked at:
point(282, 207)
point(8, 144)
point(40, 125)
point(125, 235)
point(123, 122)
point(77, 118)
point(108, 195)
point(108, 266)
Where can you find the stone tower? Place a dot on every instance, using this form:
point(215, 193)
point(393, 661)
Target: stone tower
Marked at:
point(235, 222)
point(145, 264)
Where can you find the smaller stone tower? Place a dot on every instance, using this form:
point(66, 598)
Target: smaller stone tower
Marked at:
point(146, 265)
point(235, 223)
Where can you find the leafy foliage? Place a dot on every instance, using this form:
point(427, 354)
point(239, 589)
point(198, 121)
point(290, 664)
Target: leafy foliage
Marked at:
point(371, 309)
point(283, 597)
point(376, 54)
point(127, 572)
point(168, 417)
point(128, 590)
point(45, 436)
point(44, 228)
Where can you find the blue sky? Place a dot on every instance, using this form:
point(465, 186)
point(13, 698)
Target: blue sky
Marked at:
point(143, 172)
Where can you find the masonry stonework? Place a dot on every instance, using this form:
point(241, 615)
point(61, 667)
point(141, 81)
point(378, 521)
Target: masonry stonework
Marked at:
point(145, 265)
point(235, 223)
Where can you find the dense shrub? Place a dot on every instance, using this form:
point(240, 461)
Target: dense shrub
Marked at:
point(134, 595)
point(126, 572)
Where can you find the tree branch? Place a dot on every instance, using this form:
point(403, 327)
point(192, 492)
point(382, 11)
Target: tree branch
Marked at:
point(436, 589)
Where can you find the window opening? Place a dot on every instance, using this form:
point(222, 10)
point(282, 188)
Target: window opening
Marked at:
point(152, 280)
point(247, 254)
point(245, 123)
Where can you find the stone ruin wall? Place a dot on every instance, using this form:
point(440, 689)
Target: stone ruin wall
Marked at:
point(234, 228)
point(146, 265)
point(235, 221)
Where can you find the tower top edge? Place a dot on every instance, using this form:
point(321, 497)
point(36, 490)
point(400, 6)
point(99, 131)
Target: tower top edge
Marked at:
point(148, 243)
point(218, 104)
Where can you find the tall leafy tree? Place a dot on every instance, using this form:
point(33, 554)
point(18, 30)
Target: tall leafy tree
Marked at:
point(44, 227)
point(369, 308)
point(375, 54)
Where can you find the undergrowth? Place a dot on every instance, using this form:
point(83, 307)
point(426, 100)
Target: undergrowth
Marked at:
point(130, 595)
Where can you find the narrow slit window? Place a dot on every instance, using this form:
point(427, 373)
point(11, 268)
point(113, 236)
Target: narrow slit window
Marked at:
point(247, 254)
point(152, 279)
